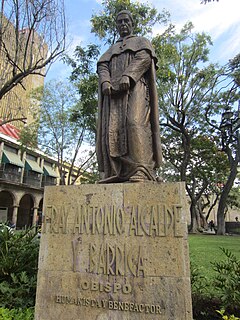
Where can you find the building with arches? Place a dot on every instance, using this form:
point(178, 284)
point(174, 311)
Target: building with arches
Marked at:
point(23, 176)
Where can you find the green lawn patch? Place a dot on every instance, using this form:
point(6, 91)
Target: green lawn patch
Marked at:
point(214, 289)
point(205, 249)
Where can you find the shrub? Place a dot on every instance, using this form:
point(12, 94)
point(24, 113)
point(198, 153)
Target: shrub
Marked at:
point(205, 300)
point(16, 314)
point(18, 268)
point(227, 280)
point(199, 283)
point(225, 317)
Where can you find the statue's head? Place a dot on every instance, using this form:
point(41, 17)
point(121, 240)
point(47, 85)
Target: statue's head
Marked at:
point(124, 21)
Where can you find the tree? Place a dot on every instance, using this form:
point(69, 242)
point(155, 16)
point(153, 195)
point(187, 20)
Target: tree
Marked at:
point(32, 36)
point(58, 135)
point(84, 78)
point(208, 167)
point(226, 99)
point(186, 82)
point(233, 200)
point(205, 171)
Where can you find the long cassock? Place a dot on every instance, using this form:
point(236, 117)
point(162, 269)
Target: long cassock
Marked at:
point(128, 137)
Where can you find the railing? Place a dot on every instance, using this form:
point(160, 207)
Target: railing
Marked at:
point(31, 181)
point(48, 181)
point(31, 178)
point(9, 176)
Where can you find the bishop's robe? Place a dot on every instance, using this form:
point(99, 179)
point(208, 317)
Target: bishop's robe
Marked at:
point(128, 138)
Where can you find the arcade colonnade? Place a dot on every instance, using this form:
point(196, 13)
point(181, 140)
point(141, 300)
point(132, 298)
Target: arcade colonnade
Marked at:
point(23, 208)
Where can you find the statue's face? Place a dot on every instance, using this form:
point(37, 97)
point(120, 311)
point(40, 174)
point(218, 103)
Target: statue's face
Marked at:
point(124, 25)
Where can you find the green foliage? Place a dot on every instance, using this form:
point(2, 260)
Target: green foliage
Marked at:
point(199, 282)
point(18, 291)
point(87, 109)
point(233, 200)
point(234, 66)
point(184, 76)
point(83, 75)
point(29, 137)
point(57, 133)
point(227, 279)
point(208, 165)
point(204, 250)
point(186, 83)
point(83, 61)
point(225, 317)
point(64, 126)
point(16, 314)
point(18, 268)
point(144, 16)
point(192, 93)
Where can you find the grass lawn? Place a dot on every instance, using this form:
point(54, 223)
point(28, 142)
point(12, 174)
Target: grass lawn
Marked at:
point(205, 249)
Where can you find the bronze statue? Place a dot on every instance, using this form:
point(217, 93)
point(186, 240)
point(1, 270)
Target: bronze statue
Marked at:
point(128, 138)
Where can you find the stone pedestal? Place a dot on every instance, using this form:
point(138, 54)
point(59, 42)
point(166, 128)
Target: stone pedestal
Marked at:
point(116, 251)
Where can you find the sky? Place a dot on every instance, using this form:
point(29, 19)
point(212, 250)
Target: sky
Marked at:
point(221, 20)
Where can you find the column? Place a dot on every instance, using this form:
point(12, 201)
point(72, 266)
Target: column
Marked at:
point(15, 214)
point(35, 216)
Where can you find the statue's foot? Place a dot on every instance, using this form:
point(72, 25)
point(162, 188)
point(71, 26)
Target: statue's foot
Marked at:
point(139, 176)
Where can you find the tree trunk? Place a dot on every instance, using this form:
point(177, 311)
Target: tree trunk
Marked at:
point(220, 218)
point(203, 220)
point(223, 199)
point(204, 223)
point(194, 218)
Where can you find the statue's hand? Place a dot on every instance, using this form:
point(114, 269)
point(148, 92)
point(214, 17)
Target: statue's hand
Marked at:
point(124, 83)
point(106, 88)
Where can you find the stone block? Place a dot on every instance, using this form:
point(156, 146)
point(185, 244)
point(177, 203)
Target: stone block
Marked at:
point(114, 251)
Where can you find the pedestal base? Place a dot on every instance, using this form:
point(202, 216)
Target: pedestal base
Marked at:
point(116, 251)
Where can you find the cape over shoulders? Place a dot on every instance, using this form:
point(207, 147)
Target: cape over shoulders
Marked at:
point(130, 43)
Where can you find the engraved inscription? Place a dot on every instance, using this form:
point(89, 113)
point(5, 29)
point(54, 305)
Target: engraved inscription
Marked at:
point(116, 260)
point(99, 220)
point(107, 287)
point(159, 220)
point(109, 304)
point(57, 218)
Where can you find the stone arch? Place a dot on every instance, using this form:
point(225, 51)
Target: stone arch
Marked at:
point(25, 211)
point(7, 200)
